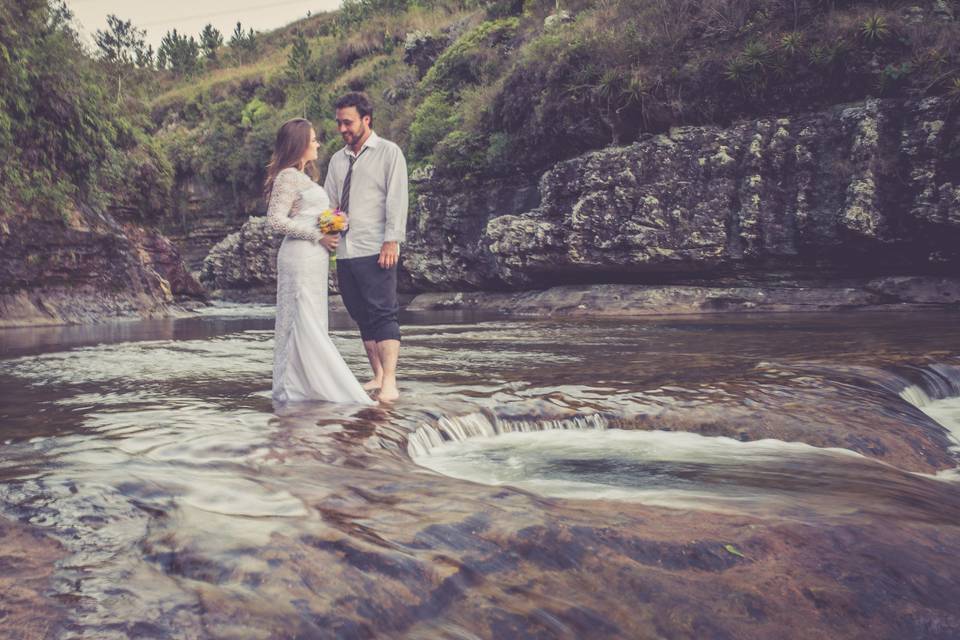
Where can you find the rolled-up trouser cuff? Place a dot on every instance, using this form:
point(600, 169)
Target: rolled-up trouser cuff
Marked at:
point(370, 295)
point(390, 331)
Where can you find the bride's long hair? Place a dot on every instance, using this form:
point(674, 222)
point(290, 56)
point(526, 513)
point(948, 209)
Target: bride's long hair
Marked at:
point(293, 138)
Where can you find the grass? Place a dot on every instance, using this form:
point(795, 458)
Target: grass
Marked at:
point(637, 65)
point(188, 90)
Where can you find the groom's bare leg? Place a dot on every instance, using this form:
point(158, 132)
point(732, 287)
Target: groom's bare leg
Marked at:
point(373, 355)
point(389, 354)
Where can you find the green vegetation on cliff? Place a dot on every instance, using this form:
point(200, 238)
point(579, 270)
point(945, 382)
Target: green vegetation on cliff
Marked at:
point(470, 86)
point(507, 88)
point(64, 138)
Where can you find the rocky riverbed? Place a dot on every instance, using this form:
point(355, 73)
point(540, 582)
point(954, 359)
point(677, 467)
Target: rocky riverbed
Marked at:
point(734, 476)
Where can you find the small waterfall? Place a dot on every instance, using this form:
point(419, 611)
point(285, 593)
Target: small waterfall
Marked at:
point(939, 397)
point(939, 382)
point(488, 423)
point(915, 396)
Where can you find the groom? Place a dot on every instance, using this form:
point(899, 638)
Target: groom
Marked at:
point(367, 179)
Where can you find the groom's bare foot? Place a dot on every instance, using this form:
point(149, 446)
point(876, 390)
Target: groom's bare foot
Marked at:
point(389, 392)
point(373, 385)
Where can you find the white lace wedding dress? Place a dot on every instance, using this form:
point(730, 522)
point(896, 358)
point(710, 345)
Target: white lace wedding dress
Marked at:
point(306, 364)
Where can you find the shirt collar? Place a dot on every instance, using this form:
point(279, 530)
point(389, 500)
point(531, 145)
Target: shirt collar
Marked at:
point(371, 142)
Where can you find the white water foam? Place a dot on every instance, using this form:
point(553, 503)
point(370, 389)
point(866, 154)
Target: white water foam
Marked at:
point(428, 437)
point(671, 469)
point(945, 411)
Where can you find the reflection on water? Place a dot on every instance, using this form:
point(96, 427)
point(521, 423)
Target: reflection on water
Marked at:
point(538, 478)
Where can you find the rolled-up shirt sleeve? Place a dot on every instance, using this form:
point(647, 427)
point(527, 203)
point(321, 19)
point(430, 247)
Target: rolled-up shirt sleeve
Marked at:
point(397, 199)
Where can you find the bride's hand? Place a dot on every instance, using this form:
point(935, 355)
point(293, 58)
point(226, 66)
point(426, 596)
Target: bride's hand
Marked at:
point(330, 241)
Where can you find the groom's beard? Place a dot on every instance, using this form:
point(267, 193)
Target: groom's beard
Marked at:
point(352, 139)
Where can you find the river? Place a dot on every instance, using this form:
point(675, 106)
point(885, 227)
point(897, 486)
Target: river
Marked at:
point(724, 476)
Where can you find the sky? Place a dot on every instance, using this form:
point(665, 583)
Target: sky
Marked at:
point(190, 16)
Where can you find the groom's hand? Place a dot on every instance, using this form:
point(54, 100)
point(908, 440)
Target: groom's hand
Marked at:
point(389, 254)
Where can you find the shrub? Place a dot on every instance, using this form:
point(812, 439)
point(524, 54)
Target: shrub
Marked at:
point(435, 118)
point(58, 127)
point(255, 111)
point(474, 57)
point(461, 152)
point(874, 29)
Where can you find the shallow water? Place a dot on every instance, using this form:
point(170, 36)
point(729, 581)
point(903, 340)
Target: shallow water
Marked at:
point(723, 476)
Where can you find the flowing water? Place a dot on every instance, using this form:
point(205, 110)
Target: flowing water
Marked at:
point(697, 477)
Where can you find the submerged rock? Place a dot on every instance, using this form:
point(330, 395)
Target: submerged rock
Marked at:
point(28, 560)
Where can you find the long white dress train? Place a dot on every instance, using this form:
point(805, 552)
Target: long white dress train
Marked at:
point(306, 364)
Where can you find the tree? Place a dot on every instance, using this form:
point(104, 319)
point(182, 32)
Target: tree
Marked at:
point(145, 57)
point(180, 52)
point(297, 63)
point(211, 39)
point(60, 16)
point(120, 46)
point(59, 130)
point(243, 43)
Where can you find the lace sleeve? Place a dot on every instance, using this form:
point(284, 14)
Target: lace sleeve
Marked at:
point(286, 188)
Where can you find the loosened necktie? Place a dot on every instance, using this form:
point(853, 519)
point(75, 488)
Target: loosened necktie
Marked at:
point(345, 193)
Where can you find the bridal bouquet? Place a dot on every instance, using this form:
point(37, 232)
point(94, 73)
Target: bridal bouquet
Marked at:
point(332, 221)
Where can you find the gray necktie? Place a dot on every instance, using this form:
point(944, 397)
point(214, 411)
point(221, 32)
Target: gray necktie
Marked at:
point(345, 197)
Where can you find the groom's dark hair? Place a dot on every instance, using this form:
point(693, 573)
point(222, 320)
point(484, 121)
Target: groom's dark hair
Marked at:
point(356, 99)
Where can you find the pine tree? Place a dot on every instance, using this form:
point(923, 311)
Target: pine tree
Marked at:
point(120, 46)
point(211, 39)
point(145, 57)
point(297, 63)
point(182, 53)
point(242, 43)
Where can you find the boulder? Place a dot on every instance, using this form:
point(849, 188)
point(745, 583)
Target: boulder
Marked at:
point(243, 266)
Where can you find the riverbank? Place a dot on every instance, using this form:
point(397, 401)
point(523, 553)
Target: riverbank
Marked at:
point(891, 293)
point(894, 293)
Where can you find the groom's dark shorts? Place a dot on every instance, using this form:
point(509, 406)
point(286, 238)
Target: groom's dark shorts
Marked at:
point(370, 295)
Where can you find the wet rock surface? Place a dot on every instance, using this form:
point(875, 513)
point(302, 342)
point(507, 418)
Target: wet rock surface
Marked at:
point(27, 563)
point(203, 216)
point(86, 268)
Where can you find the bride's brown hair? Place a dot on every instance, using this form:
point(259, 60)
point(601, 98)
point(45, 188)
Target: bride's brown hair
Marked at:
point(293, 138)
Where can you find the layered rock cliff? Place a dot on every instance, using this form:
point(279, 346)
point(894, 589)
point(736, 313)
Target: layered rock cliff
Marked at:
point(202, 216)
point(868, 189)
point(87, 267)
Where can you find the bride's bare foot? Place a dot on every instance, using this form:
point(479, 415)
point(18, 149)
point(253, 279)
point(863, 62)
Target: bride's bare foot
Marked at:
point(388, 393)
point(373, 385)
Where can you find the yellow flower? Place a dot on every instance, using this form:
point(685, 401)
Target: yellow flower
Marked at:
point(332, 221)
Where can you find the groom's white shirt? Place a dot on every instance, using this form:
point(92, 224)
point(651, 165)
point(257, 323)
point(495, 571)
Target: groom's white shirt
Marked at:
point(378, 196)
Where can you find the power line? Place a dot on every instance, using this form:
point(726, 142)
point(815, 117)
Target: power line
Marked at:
point(219, 13)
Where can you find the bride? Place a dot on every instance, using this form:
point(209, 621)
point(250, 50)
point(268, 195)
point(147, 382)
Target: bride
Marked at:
point(306, 364)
